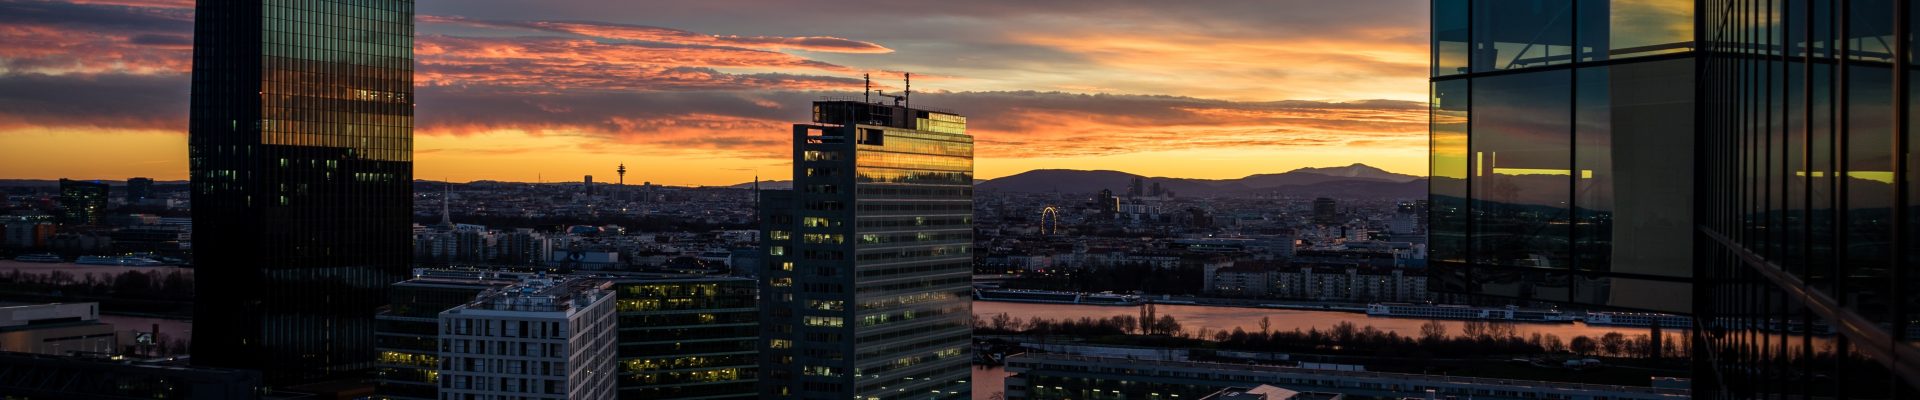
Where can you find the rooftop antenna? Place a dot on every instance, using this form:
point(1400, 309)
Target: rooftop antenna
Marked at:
point(867, 94)
point(908, 95)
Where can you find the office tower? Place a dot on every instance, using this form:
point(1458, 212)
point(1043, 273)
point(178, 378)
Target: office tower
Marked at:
point(300, 153)
point(139, 190)
point(82, 202)
point(586, 185)
point(407, 330)
point(1688, 157)
point(544, 338)
point(865, 293)
point(1325, 211)
point(687, 337)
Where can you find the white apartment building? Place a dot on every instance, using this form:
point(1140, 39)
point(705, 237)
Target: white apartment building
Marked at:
point(544, 338)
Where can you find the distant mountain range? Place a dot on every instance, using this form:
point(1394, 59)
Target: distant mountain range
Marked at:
point(1357, 180)
point(1351, 181)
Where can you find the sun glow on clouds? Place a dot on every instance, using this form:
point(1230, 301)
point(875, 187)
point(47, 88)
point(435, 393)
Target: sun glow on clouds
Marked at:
point(555, 94)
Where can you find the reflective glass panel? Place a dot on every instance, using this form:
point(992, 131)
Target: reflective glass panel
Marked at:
point(1511, 34)
point(1447, 217)
point(1520, 159)
point(1449, 37)
point(1627, 28)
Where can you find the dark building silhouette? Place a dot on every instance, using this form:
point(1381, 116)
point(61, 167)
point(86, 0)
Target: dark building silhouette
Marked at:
point(300, 151)
point(139, 189)
point(1747, 165)
point(1326, 211)
point(82, 202)
point(866, 289)
point(408, 331)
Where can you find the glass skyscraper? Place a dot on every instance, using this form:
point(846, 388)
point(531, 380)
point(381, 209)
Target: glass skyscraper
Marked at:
point(1685, 156)
point(1562, 133)
point(300, 152)
point(869, 258)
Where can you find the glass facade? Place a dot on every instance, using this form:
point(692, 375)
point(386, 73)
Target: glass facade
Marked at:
point(867, 290)
point(1809, 286)
point(1757, 178)
point(687, 338)
point(300, 160)
point(1561, 134)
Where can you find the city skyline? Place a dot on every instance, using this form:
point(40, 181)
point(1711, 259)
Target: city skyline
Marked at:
point(517, 94)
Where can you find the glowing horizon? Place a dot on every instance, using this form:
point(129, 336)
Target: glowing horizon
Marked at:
point(699, 94)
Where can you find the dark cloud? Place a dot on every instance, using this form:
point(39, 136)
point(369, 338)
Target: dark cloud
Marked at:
point(107, 101)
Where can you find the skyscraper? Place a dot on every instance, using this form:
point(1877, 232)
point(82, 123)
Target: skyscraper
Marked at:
point(1682, 156)
point(82, 202)
point(139, 189)
point(865, 293)
point(300, 151)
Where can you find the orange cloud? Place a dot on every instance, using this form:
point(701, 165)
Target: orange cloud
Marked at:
point(558, 64)
point(827, 44)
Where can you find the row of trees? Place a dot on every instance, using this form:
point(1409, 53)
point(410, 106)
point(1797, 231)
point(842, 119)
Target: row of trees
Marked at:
point(1476, 339)
point(175, 284)
point(1003, 324)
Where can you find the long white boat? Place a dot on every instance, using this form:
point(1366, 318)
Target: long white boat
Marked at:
point(39, 258)
point(1451, 311)
point(1638, 319)
point(1054, 297)
point(118, 261)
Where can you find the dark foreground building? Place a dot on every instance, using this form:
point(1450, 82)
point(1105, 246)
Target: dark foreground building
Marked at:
point(300, 151)
point(1745, 162)
point(869, 257)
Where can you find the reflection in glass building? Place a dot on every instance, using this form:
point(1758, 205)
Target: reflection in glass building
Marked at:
point(1744, 162)
point(869, 257)
point(300, 154)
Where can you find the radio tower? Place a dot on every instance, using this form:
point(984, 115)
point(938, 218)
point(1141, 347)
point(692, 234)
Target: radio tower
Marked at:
point(623, 174)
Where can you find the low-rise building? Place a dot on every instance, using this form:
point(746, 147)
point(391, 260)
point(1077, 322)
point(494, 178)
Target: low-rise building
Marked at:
point(56, 329)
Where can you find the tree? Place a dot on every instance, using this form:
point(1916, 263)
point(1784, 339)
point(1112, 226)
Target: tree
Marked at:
point(1473, 329)
point(1166, 325)
point(1266, 326)
point(1433, 332)
point(1553, 344)
point(1583, 345)
point(1613, 343)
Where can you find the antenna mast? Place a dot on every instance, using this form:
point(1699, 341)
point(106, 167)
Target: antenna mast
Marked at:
point(908, 95)
point(867, 94)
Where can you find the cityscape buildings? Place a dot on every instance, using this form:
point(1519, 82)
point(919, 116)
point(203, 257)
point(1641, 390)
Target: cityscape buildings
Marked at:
point(1579, 157)
point(869, 257)
point(543, 338)
point(300, 158)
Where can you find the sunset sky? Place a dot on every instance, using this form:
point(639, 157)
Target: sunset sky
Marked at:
point(702, 92)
